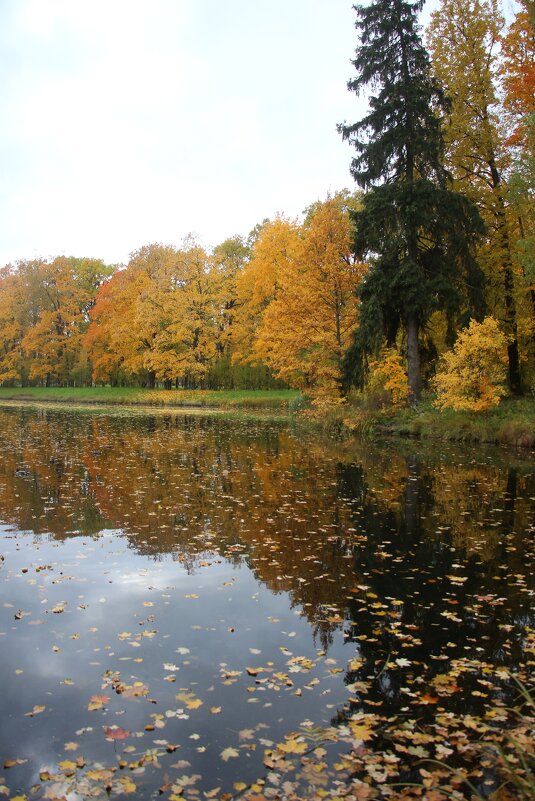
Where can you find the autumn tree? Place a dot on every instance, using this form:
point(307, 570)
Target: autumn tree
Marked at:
point(22, 301)
point(156, 320)
point(518, 74)
point(258, 284)
point(416, 232)
point(128, 316)
point(44, 312)
point(104, 338)
point(227, 263)
point(12, 328)
point(464, 37)
point(307, 327)
point(187, 345)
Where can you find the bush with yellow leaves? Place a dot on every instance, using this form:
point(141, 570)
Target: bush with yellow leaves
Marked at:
point(387, 382)
point(473, 373)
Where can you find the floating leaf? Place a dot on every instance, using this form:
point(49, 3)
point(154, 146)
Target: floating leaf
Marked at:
point(115, 733)
point(97, 702)
point(35, 711)
point(229, 753)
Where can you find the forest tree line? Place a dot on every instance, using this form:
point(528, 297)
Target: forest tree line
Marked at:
point(439, 233)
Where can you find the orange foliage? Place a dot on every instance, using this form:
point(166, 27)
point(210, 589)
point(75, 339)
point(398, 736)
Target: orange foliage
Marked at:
point(518, 48)
point(299, 307)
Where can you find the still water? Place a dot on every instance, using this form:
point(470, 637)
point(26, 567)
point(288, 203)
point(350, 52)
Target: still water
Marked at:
point(181, 593)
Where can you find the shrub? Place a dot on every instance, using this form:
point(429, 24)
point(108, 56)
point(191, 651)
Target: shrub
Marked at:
point(472, 374)
point(387, 382)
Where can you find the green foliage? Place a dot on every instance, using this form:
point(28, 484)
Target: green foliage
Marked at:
point(415, 230)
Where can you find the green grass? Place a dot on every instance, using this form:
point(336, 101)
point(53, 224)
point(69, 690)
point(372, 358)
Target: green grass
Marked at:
point(510, 423)
point(276, 399)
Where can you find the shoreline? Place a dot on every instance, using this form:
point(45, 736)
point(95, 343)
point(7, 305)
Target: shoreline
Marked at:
point(512, 423)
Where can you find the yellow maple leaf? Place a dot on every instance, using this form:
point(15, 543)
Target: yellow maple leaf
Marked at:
point(361, 731)
point(292, 746)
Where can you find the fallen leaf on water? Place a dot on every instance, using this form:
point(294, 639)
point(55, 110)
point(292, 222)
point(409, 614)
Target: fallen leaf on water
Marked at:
point(292, 746)
point(35, 711)
point(126, 785)
point(67, 765)
point(189, 700)
point(229, 752)
point(100, 775)
point(97, 702)
point(115, 733)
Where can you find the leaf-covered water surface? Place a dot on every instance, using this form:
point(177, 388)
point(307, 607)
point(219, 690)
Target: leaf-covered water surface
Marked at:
point(200, 608)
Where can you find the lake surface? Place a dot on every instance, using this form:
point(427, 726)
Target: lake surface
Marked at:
point(195, 606)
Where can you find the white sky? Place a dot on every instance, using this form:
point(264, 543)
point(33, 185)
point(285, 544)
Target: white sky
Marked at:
point(126, 122)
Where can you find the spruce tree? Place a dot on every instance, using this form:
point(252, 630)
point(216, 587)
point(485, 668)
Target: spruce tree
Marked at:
point(415, 231)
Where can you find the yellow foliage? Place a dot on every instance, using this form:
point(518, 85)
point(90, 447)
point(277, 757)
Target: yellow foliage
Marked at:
point(388, 377)
point(157, 315)
point(259, 283)
point(474, 371)
point(309, 306)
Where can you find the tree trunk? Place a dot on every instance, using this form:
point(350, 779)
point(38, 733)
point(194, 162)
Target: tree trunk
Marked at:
point(151, 379)
point(514, 374)
point(413, 358)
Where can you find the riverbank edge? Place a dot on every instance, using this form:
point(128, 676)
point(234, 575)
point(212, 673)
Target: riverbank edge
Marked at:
point(511, 423)
point(269, 400)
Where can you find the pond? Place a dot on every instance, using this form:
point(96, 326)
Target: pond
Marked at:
point(199, 607)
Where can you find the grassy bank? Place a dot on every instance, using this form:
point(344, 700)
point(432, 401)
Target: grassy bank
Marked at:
point(270, 400)
point(511, 423)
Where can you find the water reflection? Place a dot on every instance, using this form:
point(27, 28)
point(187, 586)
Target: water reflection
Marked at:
point(186, 485)
point(401, 563)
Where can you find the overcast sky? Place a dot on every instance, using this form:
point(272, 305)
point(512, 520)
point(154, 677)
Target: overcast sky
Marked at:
point(126, 122)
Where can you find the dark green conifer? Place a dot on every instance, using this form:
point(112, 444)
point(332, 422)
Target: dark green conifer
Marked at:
point(417, 233)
